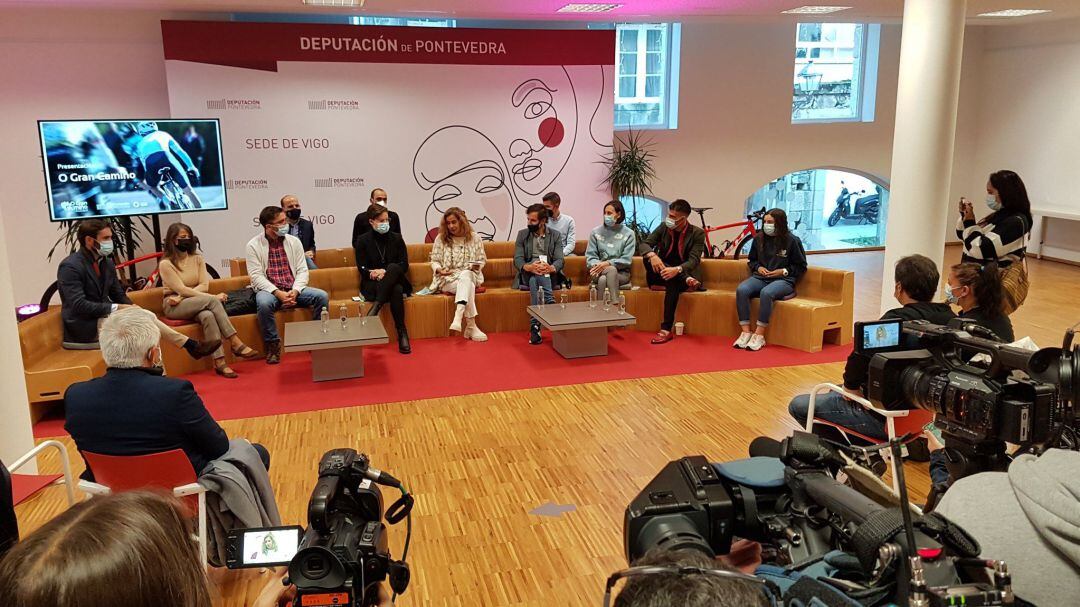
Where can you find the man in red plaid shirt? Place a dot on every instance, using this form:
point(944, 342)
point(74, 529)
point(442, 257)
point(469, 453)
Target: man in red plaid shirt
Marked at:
point(278, 269)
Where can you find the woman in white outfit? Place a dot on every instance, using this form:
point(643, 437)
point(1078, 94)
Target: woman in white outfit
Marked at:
point(457, 260)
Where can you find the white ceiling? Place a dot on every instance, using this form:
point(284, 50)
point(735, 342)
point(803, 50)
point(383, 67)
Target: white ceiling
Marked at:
point(757, 10)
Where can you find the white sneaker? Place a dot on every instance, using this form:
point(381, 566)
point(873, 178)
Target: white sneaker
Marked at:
point(757, 342)
point(744, 339)
point(473, 332)
point(456, 325)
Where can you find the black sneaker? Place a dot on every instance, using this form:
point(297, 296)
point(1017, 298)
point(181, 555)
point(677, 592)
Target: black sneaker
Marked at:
point(534, 335)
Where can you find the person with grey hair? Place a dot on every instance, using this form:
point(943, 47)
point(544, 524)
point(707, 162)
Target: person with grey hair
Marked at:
point(685, 578)
point(134, 409)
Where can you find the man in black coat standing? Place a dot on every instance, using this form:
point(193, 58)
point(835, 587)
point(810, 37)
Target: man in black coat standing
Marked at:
point(300, 227)
point(362, 225)
point(134, 409)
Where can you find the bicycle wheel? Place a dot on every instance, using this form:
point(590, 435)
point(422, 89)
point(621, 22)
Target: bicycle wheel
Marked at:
point(743, 249)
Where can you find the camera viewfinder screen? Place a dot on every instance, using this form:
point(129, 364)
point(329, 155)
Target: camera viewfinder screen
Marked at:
point(881, 335)
point(114, 168)
point(270, 546)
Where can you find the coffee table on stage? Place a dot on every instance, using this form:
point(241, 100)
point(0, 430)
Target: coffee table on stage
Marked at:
point(578, 330)
point(338, 353)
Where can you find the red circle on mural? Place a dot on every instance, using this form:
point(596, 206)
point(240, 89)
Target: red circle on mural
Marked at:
point(551, 132)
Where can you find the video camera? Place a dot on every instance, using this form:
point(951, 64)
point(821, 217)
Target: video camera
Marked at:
point(1017, 396)
point(790, 502)
point(343, 556)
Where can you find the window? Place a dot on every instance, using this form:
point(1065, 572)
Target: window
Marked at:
point(828, 209)
point(403, 21)
point(645, 211)
point(835, 72)
point(646, 80)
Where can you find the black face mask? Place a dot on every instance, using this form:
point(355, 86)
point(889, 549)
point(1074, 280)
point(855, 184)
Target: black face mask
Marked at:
point(185, 246)
point(534, 227)
point(293, 214)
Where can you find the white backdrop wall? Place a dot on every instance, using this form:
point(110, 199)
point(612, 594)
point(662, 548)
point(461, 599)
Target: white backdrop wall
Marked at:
point(734, 129)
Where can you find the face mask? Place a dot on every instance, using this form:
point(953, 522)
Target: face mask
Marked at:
point(105, 248)
point(283, 230)
point(383, 227)
point(993, 202)
point(293, 214)
point(670, 223)
point(157, 368)
point(770, 229)
point(185, 246)
point(609, 220)
point(949, 295)
point(534, 227)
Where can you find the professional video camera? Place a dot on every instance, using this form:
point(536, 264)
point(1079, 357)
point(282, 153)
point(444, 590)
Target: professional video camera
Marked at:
point(343, 556)
point(1017, 396)
point(792, 504)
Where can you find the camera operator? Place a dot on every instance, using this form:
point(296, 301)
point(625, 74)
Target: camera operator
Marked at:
point(917, 280)
point(676, 588)
point(1030, 518)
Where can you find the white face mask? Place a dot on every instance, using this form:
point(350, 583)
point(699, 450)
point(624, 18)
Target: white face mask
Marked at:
point(993, 202)
point(670, 223)
point(949, 295)
point(769, 228)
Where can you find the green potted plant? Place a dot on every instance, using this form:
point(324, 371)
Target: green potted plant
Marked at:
point(630, 174)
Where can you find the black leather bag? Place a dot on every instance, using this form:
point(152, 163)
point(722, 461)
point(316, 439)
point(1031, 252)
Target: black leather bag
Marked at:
point(240, 301)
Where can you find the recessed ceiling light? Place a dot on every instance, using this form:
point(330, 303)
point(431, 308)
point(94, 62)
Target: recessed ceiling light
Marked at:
point(335, 3)
point(588, 8)
point(1015, 12)
point(815, 10)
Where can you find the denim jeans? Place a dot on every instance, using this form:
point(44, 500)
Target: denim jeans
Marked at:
point(768, 291)
point(535, 284)
point(267, 304)
point(310, 263)
point(834, 408)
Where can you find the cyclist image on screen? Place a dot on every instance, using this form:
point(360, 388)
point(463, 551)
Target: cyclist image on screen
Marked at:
point(162, 165)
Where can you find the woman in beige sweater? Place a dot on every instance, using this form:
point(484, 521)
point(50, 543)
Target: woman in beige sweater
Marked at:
point(187, 284)
point(457, 260)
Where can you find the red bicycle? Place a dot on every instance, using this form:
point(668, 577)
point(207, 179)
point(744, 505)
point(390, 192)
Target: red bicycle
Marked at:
point(737, 247)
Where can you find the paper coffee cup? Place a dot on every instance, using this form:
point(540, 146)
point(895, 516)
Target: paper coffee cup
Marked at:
point(679, 328)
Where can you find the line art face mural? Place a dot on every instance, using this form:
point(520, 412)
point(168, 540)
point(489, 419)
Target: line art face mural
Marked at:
point(488, 132)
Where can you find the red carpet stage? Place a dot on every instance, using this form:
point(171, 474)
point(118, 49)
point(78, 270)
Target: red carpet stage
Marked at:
point(455, 367)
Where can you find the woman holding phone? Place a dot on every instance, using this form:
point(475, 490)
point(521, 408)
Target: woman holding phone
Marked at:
point(457, 261)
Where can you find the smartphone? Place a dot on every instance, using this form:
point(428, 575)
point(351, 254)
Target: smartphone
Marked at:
point(262, 546)
point(933, 429)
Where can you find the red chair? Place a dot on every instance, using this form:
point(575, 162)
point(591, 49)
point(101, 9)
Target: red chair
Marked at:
point(897, 423)
point(25, 485)
point(169, 470)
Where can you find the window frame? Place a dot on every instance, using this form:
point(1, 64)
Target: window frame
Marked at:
point(669, 81)
point(866, 51)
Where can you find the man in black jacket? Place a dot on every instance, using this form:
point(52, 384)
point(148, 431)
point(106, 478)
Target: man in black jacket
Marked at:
point(917, 280)
point(672, 258)
point(134, 409)
point(362, 225)
point(300, 228)
point(90, 291)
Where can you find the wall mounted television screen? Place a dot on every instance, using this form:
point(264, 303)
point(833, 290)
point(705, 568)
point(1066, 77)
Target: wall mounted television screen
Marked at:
point(113, 168)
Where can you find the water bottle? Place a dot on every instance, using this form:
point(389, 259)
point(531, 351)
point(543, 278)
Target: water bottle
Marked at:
point(540, 296)
point(622, 304)
point(564, 296)
point(592, 296)
point(363, 316)
point(607, 299)
point(344, 312)
point(325, 318)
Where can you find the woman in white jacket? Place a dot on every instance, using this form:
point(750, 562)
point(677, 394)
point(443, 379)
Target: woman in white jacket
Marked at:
point(457, 260)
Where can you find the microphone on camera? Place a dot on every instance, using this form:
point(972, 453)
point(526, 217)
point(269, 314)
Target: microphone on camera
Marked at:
point(382, 478)
point(764, 446)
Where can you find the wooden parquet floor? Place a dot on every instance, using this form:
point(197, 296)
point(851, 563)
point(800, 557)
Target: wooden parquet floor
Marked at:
point(478, 464)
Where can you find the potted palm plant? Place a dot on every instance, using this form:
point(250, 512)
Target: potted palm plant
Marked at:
point(630, 174)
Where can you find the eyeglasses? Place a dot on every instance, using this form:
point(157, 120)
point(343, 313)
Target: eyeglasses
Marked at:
point(658, 570)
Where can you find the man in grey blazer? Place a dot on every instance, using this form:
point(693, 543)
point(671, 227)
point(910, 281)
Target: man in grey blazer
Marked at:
point(538, 259)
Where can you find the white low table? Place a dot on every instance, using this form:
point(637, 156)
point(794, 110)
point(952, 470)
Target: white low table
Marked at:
point(338, 353)
point(1038, 228)
point(579, 330)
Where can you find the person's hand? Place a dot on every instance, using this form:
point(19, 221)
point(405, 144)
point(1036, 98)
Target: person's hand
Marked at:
point(442, 272)
point(174, 300)
point(310, 254)
point(384, 597)
point(598, 268)
point(762, 271)
point(282, 296)
point(656, 263)
point(967, 211)
point(669, 273)
point(276, 594)
point(222, 297)
point(744, 555)
point(932, 442)
point(540, 268)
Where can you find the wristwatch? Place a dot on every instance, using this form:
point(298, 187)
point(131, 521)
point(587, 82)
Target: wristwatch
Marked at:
point(785, 272)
